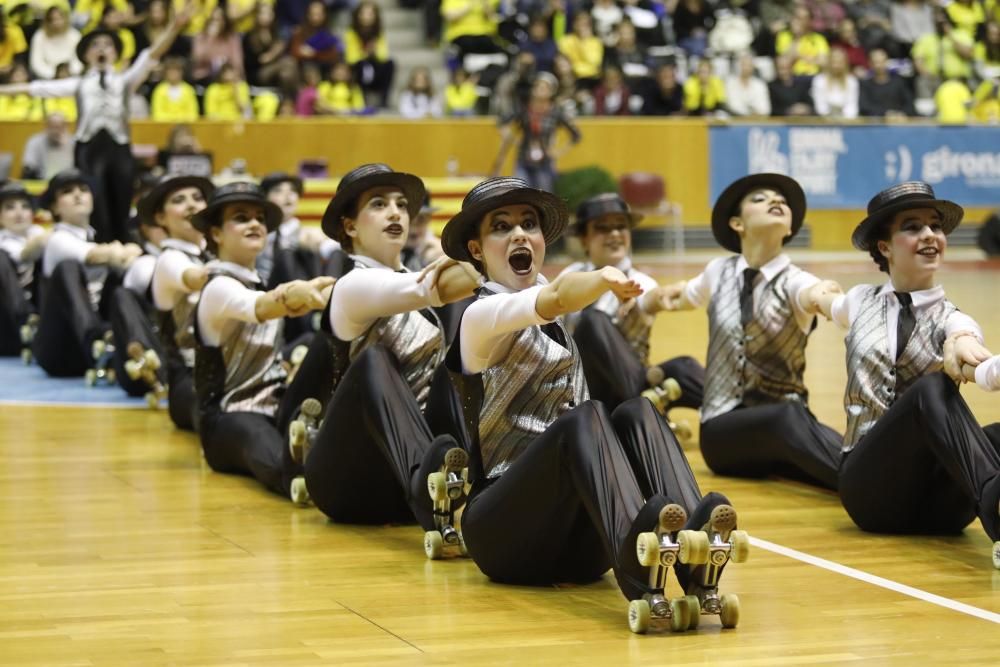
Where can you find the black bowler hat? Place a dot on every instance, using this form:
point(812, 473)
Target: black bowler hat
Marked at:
point(61, 181)
point(274, 179)
point(728, 205)
point(166, 185)
point(494, 193)
point(357, 181)
point(903, 197)
point(602, 204)
point(14, 190)
point(236, 193)
point(84, 43)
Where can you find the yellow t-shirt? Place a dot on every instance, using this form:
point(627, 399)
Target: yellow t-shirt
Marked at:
point(174, 104)
point(811, 45)
point(200, 17)
point(461, 99)
point(13, 44)
point(704, 98)
point(940, 57)
point(586, 55)
point(951, 99)
point(63, 105)
point(226, 101)
point(986, 107)
point(475, 22)
point(246, 23)
point(128, 47)
point(966, 19)
point(341, 97)
point(94, 9)
point(20, 107)
point(353, 51)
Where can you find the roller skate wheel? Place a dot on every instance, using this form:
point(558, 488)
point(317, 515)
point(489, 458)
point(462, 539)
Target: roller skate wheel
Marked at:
point(135, 350)
point(152, 360)
point(694, 611)
point(110, 376)
point(740, 542)
point(672, 518)
point(655, 376)
point(679, 615)
point(26, 356)
point(996, 555)
point(729, 613)
point(638, 616)
point(672, 389)
point(27, 333)
point(682, 430)
point(723, 519)
point(312, 408)
point(97, 348)
point(693, 547)
point(456, 459)
point(654, 397)
point(152, 400)
point(437, 486)
point(299, 493)
point(462, 549)
point(90, 377)
point(647, 549)
point(433, 544)
point(133, 369)
point(299, 354)
point(297, 440)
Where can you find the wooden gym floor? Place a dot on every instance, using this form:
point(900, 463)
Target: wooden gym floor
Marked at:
point(118, 546)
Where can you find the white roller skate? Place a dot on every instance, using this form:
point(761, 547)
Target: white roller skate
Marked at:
point(27, 333)
point(447, 488)
point(659, 551)
point(717, 544)
point(295, 360)
point(143, 365)
point(303, 429)
point(299, 493)
point(102, 351)
point(661, 393)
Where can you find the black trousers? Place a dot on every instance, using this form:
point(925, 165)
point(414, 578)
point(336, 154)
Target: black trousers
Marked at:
point(614, 372)
point(248, 443)
point(182, 401)
point(450, 315)
point(69, 324)
point(15, 306)
point(572, 504)
point(782, 438)
point(110, 168)
point(375, 447)
point(130, 322)
point(297, 264)
point(926, 467)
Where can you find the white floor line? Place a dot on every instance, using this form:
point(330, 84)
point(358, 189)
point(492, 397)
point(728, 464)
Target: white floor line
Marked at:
point(70, 404)
point(878, 581)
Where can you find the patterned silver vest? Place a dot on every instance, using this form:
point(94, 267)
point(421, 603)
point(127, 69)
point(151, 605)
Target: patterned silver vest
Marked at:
point(761, 364)
point(416, 342)
point(874, 379)
point(177, 324)
point(251, 355)
point(537, 382)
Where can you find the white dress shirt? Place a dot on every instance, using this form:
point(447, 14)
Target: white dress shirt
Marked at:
point(988, 374)
point(140, 272)
point(168, 275)
point(225, 298)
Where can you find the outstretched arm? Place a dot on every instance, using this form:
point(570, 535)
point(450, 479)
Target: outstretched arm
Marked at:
point(452, 279)
point(670, 298)
point(819, 298)
point(294, 299)
point(166, 39)
point(962, 350)
point(571, 292)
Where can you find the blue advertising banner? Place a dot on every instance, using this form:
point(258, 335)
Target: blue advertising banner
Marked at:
point(843, 167)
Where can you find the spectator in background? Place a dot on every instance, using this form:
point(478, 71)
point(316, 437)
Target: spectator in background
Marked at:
point(987, 53)
point(873, 19)
point(612, 97)
point(367, 51)
point(943, 54)
point(540, 45)
point(775, 16)
point(340, 95)
point(216, 46)
point(513, 88)
point(667, 98)
point(418, 100)
point(746, 93)
point(305, 100)
point(627, 54)
point(704, 93)
point(65, 106)
point(228, 97)
point(157, 20)
point(643, 15)
point(848, 41)
point(113, 20)
point(243, 13)
point(53, 44)
point(826, 16)
point(790, 94)
point(460, 95)
point(966, 16)
point(584, 50)
point(202, 15)
point(312, 41)
point(48, 152)
point(986, 102)
point(470, 26)
point(606, 15)
point(568, 95)
point(952, 99)
point(87, 14)
point(265, 54)
point(12, 43)
point(19, 106)
point(174, 99)
point(910, 20)
point(884, 93)
point(808, 49)
point(693, 20)
point(835, 92)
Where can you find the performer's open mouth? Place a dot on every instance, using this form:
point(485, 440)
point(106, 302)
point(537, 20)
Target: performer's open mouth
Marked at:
point(520, 260)
point(776, 210)
point(394, 230)
point(929, 251)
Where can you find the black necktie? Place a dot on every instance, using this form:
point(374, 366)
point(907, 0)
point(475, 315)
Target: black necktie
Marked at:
point(100, 80)
point(746, 296)
point(906, 322)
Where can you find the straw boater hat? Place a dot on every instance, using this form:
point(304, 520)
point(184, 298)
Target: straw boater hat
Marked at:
point(14, 190)
point(236, 193)
point(494, 193)
point(274, 179)
point(903, 197)
point(357, 181)
point(85, 41)
point(152, 202)
point(61, 181)
point(728, 205)
point(603, 204)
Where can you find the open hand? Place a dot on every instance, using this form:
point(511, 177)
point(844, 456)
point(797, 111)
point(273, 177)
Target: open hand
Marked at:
point(618, 283)
point(960, 350)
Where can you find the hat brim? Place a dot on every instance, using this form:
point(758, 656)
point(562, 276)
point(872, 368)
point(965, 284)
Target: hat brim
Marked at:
point(580, 226)
point(465, 225)
point(728, 202)
point(209, 217)
point(950, 212)
point(84, 43)
point(339, 207)
point(149, 205)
